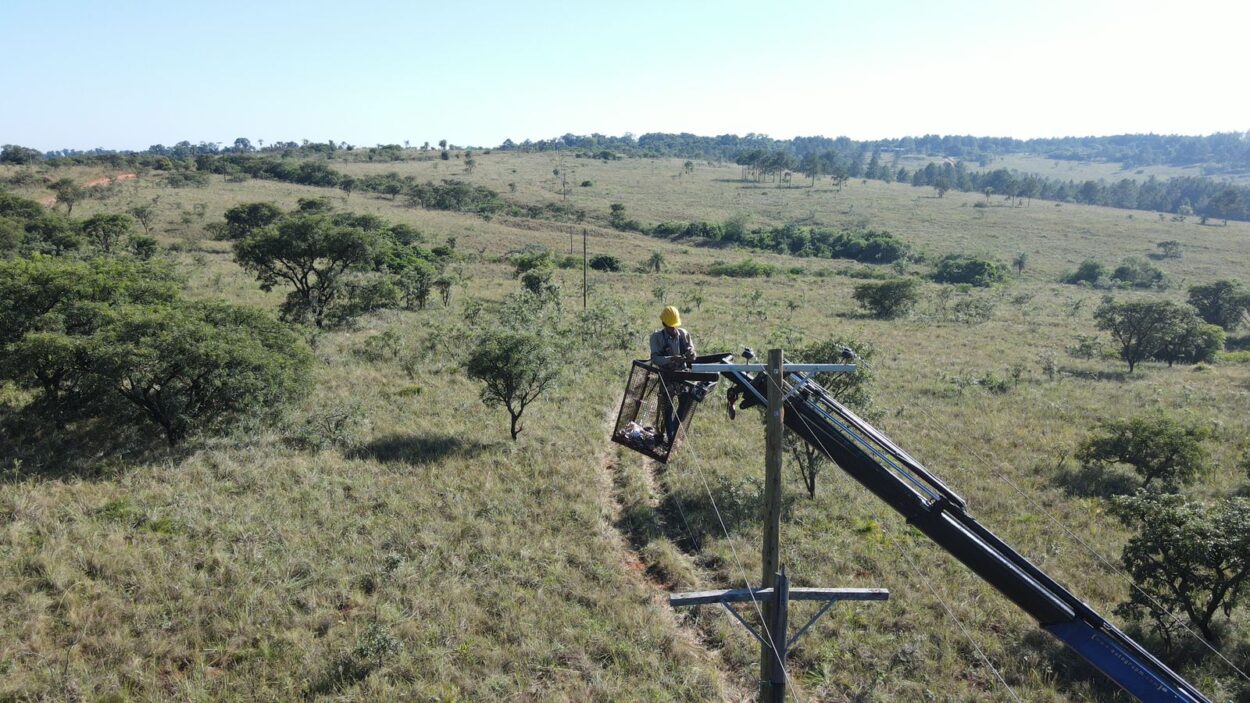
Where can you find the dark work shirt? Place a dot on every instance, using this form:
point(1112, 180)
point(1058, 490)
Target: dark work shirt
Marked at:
point(665, 345)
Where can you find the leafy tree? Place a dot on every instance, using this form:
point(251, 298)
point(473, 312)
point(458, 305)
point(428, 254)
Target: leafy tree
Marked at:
point(105, 231)
point(415, 284)
point(516, 368)
point(537, 280)
point(1190, 341)
point(1187, 558)
point(850, 389)
point(308, 252)
point(1228, 204)
point(1020, 261)
point(145, 215)
point(888, 298)
point(1156, 446)
point(655, 263)
point(68, 193)
point(1140, 328)
point(143, 246)
point(202, 366)
point(241, 220)
point(941, 185)
point(50, 308)
point(1224, 303)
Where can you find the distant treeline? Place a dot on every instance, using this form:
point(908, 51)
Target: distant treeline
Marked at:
point(874, 247)
point(1229, 150)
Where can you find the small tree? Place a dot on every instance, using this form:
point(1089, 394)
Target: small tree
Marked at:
point(850, 389)
point(1170, 249)
point(1224, 303)
point(310, 253)
point(1185, 557)
point(1156, 446)
point(517, 367)
point(655, 263)
point(1020, 261)
point(888, 298)
point(1140, 328)
point(104, 231)
point(145, 215)
point(68, 193)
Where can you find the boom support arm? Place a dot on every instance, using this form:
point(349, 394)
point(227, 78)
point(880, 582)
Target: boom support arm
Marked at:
point(910, 489)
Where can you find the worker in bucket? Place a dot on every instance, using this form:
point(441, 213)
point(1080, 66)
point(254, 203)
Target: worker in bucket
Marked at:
point(672, 349)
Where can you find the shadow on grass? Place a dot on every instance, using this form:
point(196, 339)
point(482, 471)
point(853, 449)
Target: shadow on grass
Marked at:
point(416, 450)
point(1095, 482)
point(31, 446)
point(1237, 343)
point(1096, 374)
point(342, 674)
point(1076, 677)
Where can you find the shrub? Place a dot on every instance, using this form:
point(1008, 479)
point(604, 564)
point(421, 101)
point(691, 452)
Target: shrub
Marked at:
point(1157, 447)
point(605, 262)
point(1139, 273)
point(340, 424)
point(1089, 272)
point(587, 184)
point(1186, 558)
point(960, 268)
point(530, 258)
point(888, 298)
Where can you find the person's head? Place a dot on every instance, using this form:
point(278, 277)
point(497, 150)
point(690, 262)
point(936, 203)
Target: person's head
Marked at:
point(670, 317)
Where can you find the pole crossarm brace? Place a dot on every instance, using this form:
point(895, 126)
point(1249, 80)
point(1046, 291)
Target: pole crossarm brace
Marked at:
point(760, 368)
point(829, 596)
point(743, 595)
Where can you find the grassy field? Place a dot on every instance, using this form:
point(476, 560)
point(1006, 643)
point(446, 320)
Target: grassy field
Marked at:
point(429, 558)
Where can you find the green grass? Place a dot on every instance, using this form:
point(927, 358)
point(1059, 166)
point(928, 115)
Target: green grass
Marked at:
point(431, 559)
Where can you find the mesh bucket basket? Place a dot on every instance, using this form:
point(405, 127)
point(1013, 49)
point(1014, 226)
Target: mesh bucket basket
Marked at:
point(655, 411)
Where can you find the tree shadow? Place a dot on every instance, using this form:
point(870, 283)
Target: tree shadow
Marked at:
point(1095, 482)
point(32, 446)
point(416, 450)
point(1071, 674)
point(1237, 343)
point(725, 506)
point(1096, 375)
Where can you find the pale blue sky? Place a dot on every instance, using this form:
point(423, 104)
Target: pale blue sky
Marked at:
point(127, 74)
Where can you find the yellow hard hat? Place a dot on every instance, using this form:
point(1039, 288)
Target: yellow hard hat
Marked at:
point(670, 317)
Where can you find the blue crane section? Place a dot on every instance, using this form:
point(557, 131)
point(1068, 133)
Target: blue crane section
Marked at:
point(903, 483)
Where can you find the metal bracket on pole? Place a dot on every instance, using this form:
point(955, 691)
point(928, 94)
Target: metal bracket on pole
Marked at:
point(774, 639)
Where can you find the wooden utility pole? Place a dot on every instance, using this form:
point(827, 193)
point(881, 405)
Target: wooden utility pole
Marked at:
point(583, 268)
point(774, 599)
point(769, 664)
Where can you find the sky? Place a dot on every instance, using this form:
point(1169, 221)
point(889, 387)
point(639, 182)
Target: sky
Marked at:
point(126, 74)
